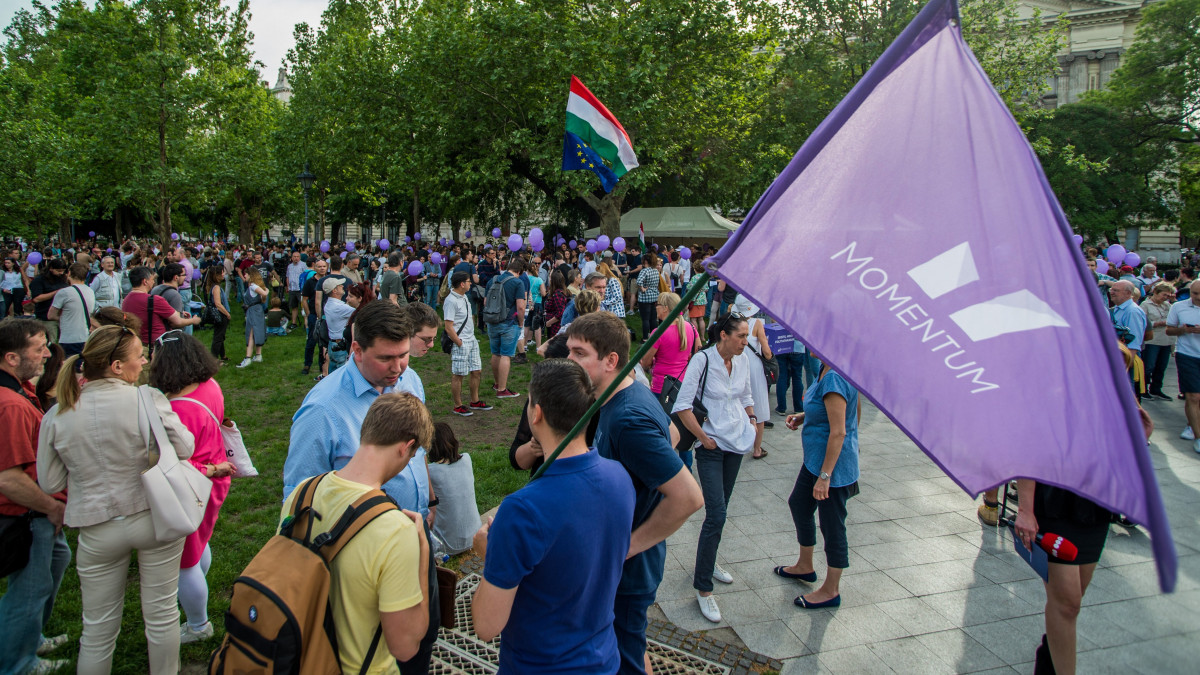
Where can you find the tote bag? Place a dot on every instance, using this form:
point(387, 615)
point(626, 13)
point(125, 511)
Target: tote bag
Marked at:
point(235, 447)
point(176, 491)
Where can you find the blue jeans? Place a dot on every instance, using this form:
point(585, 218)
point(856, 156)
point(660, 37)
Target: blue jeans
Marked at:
point(791, 373)
point(431, 293)
point(337, 358)
point(502, 338)
point(718, 472)
point(186, 294)
point(26, 607)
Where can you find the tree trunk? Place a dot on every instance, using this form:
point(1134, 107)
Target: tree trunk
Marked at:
point(416, 217)
point(245, 224)
point(608, 208)
point(117, 222)
point(164, 204)
point(64, 231)
point(321, 214)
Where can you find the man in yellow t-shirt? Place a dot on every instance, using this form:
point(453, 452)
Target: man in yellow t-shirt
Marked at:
point(378, 578)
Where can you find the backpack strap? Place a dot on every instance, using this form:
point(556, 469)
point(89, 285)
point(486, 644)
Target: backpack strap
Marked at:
point(302, 511)
point(356, 517)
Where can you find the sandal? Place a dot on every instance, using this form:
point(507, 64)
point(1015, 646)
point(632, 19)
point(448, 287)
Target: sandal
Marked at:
point(764, 454)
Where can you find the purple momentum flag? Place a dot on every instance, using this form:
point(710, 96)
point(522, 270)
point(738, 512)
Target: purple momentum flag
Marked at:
point(938, 274)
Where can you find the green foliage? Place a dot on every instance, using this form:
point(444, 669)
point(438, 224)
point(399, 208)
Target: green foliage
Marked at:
point(142, 106)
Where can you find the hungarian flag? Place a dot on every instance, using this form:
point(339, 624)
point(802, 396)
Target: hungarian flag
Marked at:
point(950, 291)
point(642, 235)
point(593, 130)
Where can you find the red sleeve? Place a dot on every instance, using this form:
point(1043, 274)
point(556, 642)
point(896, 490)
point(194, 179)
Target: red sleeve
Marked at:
point(162, 308)
point(18, 435)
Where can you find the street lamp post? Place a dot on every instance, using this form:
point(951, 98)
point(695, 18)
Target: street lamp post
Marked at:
point(306, 181)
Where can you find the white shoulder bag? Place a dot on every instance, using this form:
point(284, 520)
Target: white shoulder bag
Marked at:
point(176, 491)
point(235, 447)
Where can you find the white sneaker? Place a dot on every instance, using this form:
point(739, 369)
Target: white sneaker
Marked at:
point(187, 635)
point(708, 607)
point(243, 364)
point(258, 358)
point(721, 575)
point(1187, 434)
point(50, 644)
point(45, 667)
point(1196, 445)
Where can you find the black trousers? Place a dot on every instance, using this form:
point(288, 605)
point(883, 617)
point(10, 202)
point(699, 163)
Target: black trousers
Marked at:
point(649, 318)
point(218, 339)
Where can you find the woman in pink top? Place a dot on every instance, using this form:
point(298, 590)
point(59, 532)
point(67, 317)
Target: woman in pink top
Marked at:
point(669, 356)
point(183, 369)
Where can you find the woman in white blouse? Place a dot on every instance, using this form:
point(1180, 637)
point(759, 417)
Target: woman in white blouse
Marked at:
point(721, 375)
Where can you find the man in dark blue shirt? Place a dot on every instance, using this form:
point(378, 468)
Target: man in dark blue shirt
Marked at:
point(634, 430)
point(555, 550)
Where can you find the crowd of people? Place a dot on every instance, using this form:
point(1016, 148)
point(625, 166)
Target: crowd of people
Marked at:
point(573, 560)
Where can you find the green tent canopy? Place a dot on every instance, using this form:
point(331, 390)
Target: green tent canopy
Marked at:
point(674, 225)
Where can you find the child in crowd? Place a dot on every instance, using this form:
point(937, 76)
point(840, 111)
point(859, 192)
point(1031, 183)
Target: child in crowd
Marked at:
point(277, 321)
point(454, 484)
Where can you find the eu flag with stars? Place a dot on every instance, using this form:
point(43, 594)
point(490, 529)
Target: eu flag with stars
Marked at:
point(578, 156)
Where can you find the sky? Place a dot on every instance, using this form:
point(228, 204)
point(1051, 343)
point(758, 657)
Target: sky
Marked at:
point(271, 23)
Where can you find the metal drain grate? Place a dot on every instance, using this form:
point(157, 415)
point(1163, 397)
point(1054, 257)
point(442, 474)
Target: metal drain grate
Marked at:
point(460, 652)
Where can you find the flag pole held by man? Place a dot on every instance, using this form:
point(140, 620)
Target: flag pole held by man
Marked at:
point(960, 306)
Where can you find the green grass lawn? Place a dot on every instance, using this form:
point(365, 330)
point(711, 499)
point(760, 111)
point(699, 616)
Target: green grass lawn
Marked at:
point(262, 399)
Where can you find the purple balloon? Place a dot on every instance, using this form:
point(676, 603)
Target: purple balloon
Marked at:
point(91, 234)
point(383, 244)
point(619, 244)
point(435, 258)
point(407, 239)
point(174, 236)
point(535, 234)
point(1077, 238)
point(34, 258)
point(1101, 266)
point(1132, 259)
point(416, 236)
point(342, 255)
point(602, 242)
point(538, 245)
point(415, 268)
point(590, 246)
point(350, 246)
point(408, 248)
point(324, 246)
point(195, 275)
point(514, 242)
point(449, 242)
point(655, 246)
point(685, 253)
point(573, 243)
point(495, 232)
point(108, 250)
point(487, 246)
point(467, 234)
point(1116, 254)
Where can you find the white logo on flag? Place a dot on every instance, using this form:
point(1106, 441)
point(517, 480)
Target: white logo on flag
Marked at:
point(1010, 313)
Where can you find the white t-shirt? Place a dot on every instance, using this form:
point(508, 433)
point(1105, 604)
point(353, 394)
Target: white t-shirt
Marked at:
point(1184, 313)
point(456, 308)
point(589, 266)
point(74, 318)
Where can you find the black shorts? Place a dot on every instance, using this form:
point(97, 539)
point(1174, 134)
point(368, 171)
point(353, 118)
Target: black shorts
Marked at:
point(1188, 368)
point(293, 299)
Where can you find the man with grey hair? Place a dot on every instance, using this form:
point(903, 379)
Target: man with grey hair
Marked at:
point(1149, 275)
point(1126, 314)
point(1183, 321)
point(107, 285)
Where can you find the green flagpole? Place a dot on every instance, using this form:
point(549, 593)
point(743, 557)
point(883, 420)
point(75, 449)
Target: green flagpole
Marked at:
point(698, 283)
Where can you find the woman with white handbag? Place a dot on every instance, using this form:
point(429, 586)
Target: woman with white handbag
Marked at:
point(102, 441)
point(185, 370)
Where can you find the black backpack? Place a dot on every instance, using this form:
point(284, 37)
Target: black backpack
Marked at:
point(495, 305)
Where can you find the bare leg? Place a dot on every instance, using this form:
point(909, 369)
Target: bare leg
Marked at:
point(646, 657)
point(758, 434)
point(500, 367)
point(1191, 408)
point(804, 564)
point(456, 390)
point(828, 590)
point(250, 345)
point(474, 385)
point(1064, 596)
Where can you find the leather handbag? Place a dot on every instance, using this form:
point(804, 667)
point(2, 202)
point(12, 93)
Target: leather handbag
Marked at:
point(176, 491)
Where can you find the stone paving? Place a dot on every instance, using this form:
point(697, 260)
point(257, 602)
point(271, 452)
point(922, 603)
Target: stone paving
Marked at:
point(929, 589)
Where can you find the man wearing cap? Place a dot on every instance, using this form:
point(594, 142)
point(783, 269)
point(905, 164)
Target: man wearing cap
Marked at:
point(1127, 274)
point(337, 315)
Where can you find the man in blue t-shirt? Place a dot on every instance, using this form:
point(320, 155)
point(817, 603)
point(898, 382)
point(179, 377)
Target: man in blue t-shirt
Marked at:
point(634, 430)
point(502, 337)
point(554, 552)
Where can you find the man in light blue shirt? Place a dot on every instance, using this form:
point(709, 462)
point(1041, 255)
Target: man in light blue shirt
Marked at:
point(1183, 322)
point(1126, 313)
